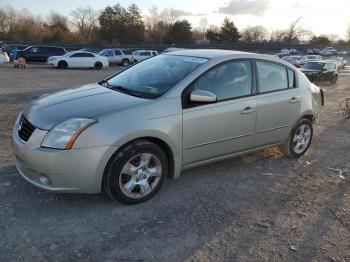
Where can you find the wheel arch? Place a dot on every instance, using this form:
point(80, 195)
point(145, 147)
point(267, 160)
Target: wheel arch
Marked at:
point(159, 142)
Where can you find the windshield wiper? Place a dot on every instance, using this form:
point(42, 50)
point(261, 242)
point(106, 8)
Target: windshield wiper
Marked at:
point(129, 91)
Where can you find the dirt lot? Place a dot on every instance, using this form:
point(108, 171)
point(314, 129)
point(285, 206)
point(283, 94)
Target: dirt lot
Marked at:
point(260, 207)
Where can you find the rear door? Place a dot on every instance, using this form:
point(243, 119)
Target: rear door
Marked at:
point(76, 60)
point(33, 54)
point(226, 126)
point(118, 56)
point(89, 60)
point(279, 102)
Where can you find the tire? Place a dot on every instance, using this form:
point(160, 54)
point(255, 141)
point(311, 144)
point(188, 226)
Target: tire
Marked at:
point(334, 80)
point(62, 65)
point(290, 148)
point(98, 66)
point(125, 62)
point(128, 178)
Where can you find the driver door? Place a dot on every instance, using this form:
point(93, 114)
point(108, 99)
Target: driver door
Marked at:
point(226, 126)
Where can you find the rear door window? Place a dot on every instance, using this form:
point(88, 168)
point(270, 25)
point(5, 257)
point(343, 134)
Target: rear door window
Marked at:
point(271, 77)
point(117, 52)
point(126, 52)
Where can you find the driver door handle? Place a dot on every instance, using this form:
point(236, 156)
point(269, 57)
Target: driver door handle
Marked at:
point(248, 110)
point(294, 99)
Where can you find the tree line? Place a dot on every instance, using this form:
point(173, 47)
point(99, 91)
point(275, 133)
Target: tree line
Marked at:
point(119, 25)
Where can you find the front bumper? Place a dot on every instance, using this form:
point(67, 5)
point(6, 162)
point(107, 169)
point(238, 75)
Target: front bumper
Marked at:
point(70, 171)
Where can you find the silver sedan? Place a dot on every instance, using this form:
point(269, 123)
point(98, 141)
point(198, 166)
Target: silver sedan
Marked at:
point(175, 111)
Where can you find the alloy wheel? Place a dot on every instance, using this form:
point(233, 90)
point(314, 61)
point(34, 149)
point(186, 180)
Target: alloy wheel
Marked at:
point(140, 175)
point(301, 139)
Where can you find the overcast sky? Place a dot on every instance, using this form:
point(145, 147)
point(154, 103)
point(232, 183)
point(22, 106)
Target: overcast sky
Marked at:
point(320, 16)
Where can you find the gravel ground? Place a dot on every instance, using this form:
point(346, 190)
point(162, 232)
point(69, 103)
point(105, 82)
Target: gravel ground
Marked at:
point(259, 207)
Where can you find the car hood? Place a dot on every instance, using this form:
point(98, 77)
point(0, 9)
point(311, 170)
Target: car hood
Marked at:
point(90, 101)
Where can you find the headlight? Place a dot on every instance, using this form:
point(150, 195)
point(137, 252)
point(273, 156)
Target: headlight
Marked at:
point(63, 135)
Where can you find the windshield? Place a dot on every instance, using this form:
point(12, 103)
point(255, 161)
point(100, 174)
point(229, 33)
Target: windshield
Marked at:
point(69, 53)
point(153, 77)
point(314, 66)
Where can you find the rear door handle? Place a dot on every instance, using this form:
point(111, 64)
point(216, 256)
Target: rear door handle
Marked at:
point(248, 110)
point(294, 99)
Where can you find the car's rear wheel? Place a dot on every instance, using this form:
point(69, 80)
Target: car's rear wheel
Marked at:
point(300, 139)
point(62, 65)
point(136, 172)
point(98, 66)
point(125, 62)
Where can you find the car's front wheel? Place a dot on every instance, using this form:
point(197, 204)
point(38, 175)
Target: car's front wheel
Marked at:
point(300, 139)
point(62, 65)
point(136, 172)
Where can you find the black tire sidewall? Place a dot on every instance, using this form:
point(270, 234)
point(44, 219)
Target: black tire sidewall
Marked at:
point(291, 149)
point(127, 62)
point(111, 179)
point(98, 66)
point(62, 64)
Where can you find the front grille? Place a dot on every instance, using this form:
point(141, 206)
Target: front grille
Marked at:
point(25, 129)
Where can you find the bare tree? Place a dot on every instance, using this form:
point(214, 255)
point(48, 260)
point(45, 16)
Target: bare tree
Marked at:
point(203, 24)
point(296, 32)
point(155, 25)
point(84, 21)
point(170, 15)
point(348, 33)
point(57, 20)
point(254, 34)
point(277, 36)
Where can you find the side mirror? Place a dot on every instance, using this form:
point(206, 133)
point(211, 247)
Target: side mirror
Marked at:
point(202, 96)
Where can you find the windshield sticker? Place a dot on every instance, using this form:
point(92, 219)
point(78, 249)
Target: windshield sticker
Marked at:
point(196, 60)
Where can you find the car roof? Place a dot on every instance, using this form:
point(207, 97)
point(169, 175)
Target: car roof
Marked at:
point(207, 53)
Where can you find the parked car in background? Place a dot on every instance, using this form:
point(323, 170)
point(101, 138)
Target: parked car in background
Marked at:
point(78, 59)
point(339, 60)
point(140, 55)
point(281, 55)
point(9, 48)
point(4, 58)
point(317, 71)
point(293, 51)
point(91, 49)
point(309, 51)
point(118, 56)
point(285, 51)
point(128, 133)
point(329, 51)
point(40, 53)
point(313, 57)
point(297, 61)
point(316, 51)
point(342, 52)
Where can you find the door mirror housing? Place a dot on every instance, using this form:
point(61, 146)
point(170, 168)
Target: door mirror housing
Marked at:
point(202, 96)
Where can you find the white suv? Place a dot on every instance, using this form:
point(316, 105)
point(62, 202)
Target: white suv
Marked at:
point(141, 55)
point(118, 56)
